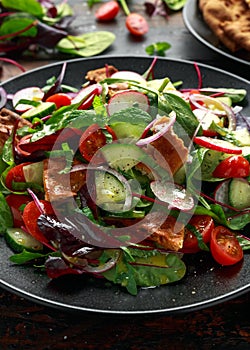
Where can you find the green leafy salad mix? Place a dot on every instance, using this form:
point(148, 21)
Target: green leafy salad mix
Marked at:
point(123, 177)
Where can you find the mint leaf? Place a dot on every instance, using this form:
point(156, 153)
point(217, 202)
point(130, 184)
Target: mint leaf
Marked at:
point(158, 48)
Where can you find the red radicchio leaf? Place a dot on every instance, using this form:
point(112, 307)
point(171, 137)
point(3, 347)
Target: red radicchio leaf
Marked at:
point(48, 36)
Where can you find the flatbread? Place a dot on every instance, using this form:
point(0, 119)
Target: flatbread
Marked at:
point(229, 20)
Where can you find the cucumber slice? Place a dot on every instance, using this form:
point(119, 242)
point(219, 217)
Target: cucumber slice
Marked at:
point(108, 188)
point(239, 193)
point(122, 156)
point(44, 109)
point(242, 136)
point(209, 163)
point(127, 130)
point(18, 240)
point(34, 173)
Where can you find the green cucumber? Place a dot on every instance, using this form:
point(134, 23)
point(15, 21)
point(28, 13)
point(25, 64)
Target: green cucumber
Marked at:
point(108, 188)
point(122, 156)
point(210, 161)
point(42, 110)
point(18, 240)
point(33, 172)
point(242, 136)
point(239, 193)
point(127, 130)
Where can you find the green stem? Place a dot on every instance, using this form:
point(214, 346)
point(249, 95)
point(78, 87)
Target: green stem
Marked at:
point(125, 7)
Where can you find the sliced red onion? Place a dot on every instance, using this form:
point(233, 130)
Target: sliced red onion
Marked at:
point(83, 263)
point(86, 92)
point(104, 267)
point(237, 109)
point(174, 195)
point(223, 109)
point(166, 126)
point(3, 97)
point(36, 200)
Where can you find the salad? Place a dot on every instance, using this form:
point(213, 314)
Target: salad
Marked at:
point(121, 178)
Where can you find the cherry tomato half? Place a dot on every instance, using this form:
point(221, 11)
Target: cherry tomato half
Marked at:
point(59, 99)
point(136, 24)
point(234, 166)
point(15, 175)
point(111, 132)
point(91, 140)
point(225, 247)
point(202, 223)
point(30, 215)
point(107, 11)
point(15, 202)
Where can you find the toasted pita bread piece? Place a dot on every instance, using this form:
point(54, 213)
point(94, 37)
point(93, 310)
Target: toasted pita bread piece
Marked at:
point(8, 120)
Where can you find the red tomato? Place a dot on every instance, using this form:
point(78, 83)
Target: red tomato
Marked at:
point(59, 99)
point(204, 224)
point(136, 24)
point(107, 11)
point(15, 174)
point(15, 201)
point(91, 140)
point(111, 132)
point(30, 215)
point(225, 247)
point(209, 133)
point(234, 166)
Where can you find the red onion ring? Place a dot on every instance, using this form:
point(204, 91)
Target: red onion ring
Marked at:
point(225, 109)
point(161, 132)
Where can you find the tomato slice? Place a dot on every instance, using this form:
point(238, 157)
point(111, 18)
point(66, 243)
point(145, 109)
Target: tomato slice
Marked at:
point(136, 24)
point(224, 246)
point(15, 202)
point(91, 141)
point(234, 166)
point(15, 174)
point(111, 132)
point(205, 225)
point(30, 215)
point(107, 11)
point(59, 99)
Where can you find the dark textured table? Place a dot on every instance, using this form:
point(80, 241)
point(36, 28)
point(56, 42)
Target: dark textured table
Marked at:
point(27, 325)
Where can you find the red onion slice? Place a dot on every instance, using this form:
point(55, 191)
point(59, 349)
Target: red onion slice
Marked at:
point(221, 110)
point(166, 126)
point(82, 263)
point(3, 97)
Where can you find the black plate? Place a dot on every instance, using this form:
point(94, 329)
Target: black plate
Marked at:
point(205, 284)
point(198, 28)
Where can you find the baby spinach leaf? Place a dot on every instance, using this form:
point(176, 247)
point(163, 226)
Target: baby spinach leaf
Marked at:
point(5, 215)
point(186, 120)
point(18, 22)
point(145, 268)
point(147, 276)
point(75, 119)
point(26, 257)
point(86, 45)
point(30, 6)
